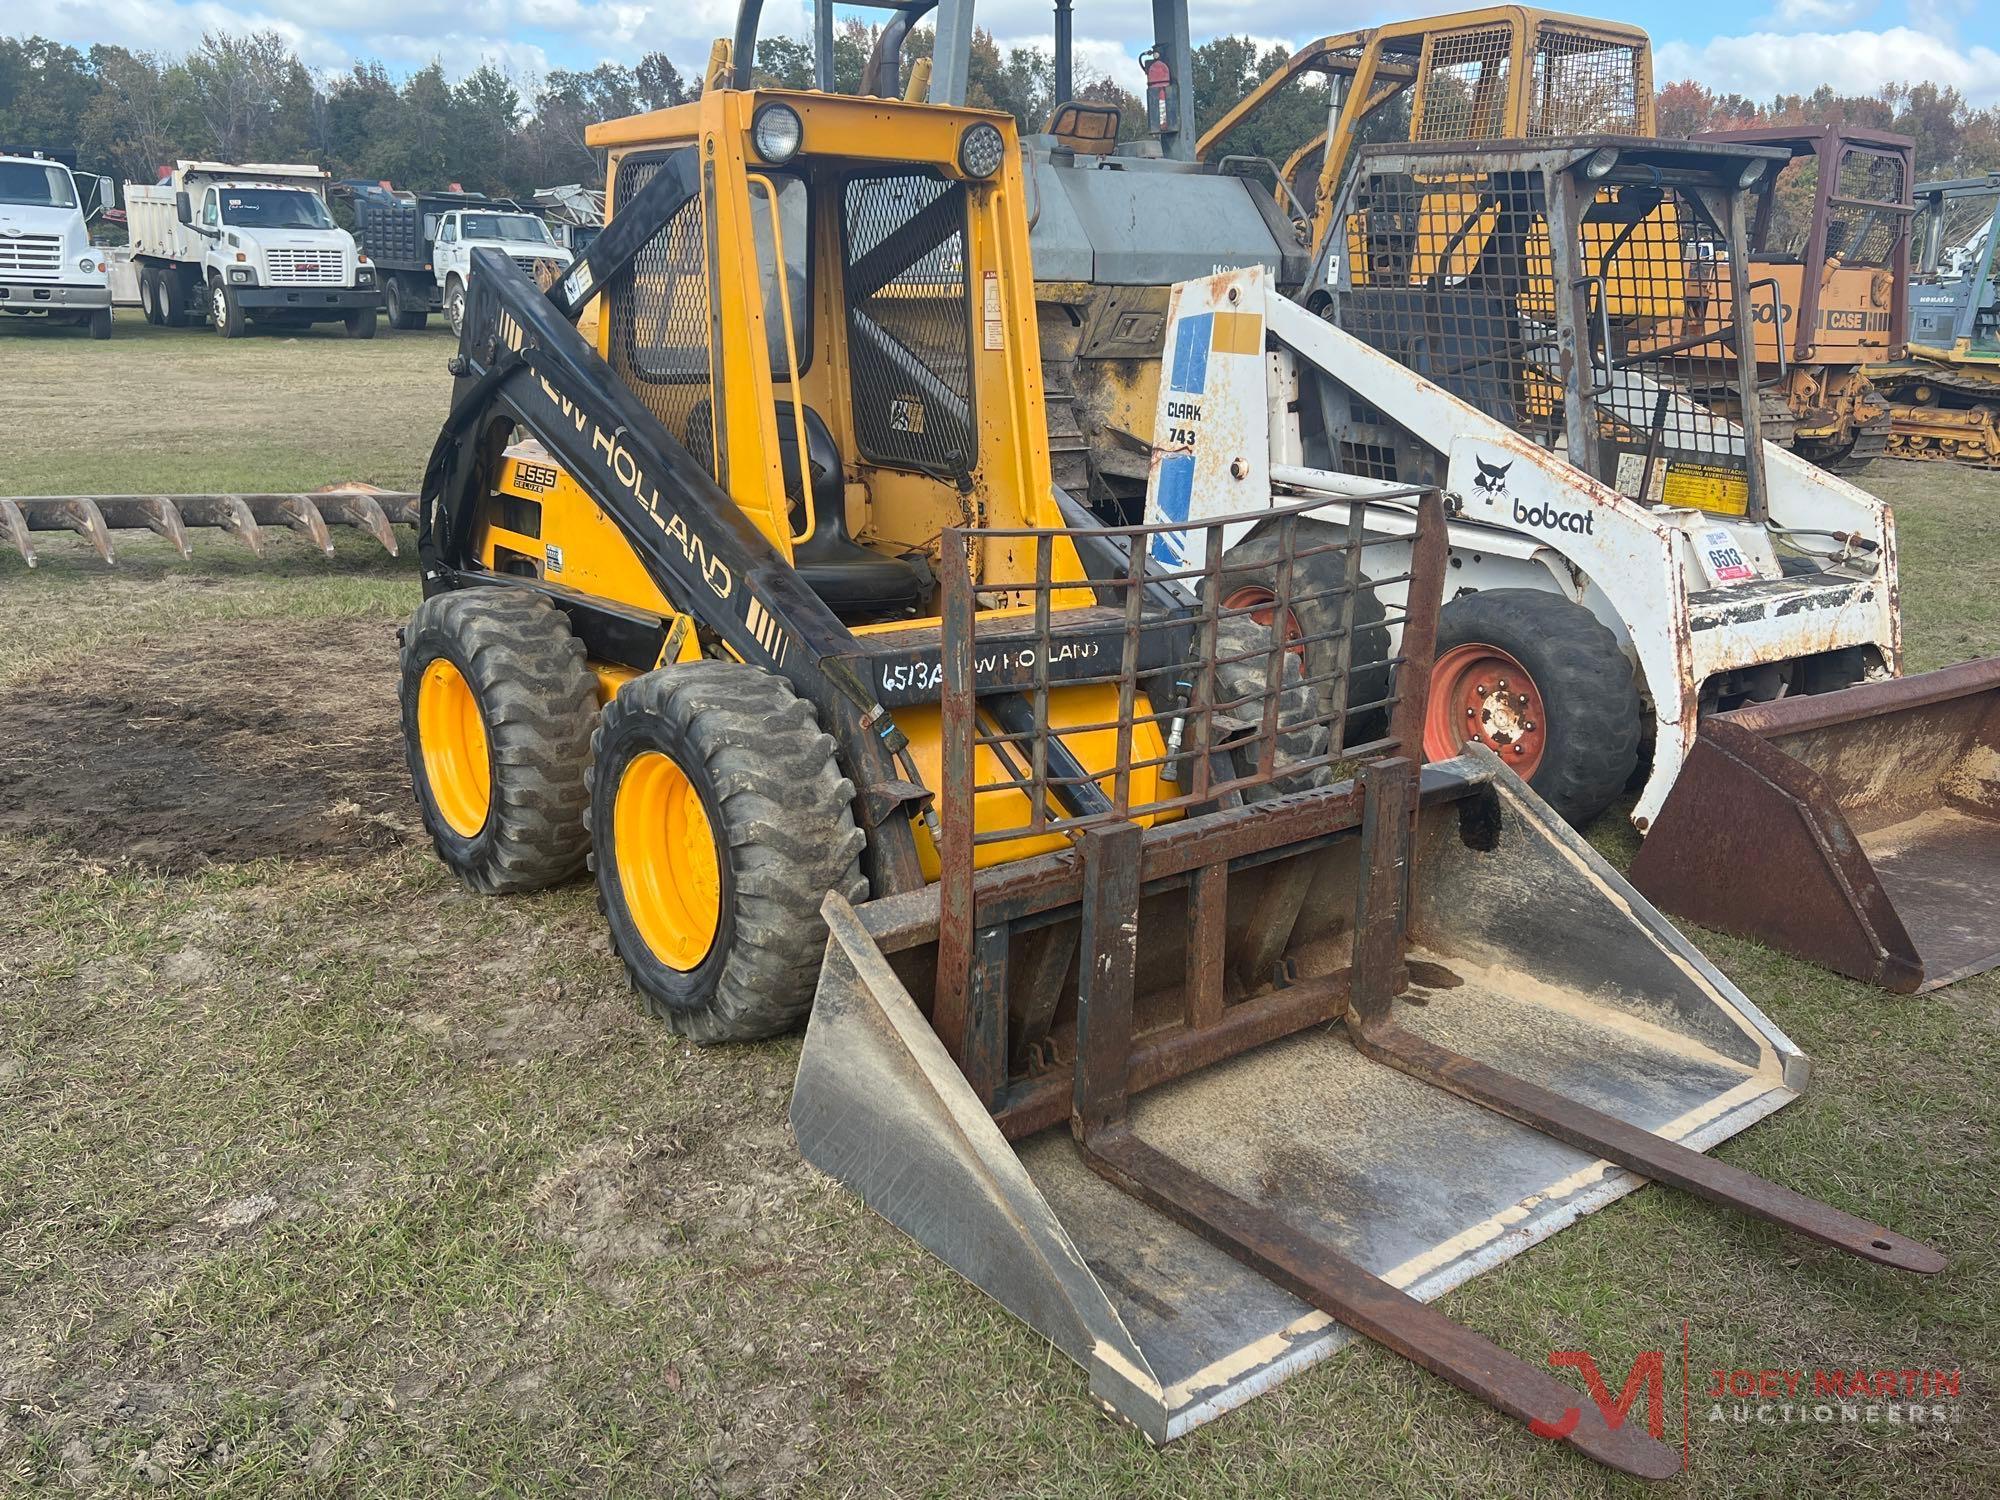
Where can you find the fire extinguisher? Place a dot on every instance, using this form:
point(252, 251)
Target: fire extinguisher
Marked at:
point(1159, 92)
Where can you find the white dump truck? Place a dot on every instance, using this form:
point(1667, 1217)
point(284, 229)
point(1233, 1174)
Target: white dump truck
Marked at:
point(233, 244)
point(48, 268)
point(523, 236)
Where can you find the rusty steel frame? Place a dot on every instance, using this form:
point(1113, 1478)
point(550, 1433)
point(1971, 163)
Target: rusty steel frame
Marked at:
point(95, 517)
point(1828, 145)
point(977, 918)
point(1581, 363)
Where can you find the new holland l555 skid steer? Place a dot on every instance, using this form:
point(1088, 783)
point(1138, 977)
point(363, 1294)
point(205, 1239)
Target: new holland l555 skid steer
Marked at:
point(766, 602)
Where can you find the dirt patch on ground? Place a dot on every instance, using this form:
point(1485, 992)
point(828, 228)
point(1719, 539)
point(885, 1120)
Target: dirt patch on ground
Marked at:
point(273, 739)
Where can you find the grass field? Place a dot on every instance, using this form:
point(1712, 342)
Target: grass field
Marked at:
point(320, 1176)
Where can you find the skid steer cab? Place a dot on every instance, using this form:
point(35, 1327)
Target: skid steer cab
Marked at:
point(1626, 555)
point(765, 606)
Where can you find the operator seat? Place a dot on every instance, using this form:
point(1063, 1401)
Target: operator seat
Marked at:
point(852, 580)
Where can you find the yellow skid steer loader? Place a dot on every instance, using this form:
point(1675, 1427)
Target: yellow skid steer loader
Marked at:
point(765, 606)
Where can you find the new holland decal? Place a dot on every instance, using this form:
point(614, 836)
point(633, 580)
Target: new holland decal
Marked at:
point(625, 470)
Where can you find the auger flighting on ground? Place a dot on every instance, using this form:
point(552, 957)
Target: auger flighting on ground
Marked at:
point(310, 513)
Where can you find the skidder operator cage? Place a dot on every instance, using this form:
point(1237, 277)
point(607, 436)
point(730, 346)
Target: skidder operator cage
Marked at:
point(1584, 292)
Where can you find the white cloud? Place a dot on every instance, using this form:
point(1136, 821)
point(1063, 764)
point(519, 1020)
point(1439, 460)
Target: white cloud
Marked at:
point(1820, 12)
point(148, 27)
point(458, 53)
point(1854, 62)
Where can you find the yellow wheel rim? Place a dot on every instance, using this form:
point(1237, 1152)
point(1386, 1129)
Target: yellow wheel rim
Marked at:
point(453, 735)
point(668, 868)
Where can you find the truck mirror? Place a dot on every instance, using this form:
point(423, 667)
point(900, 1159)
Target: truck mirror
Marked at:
point(108, 193)
point(183, 210)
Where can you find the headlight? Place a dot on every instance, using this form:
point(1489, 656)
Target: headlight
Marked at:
point(776, 131)
point(1752, 171)
point(1602, 160)
point(364, 277)
point(981, 150)
point(242, 275)
point(88, 263)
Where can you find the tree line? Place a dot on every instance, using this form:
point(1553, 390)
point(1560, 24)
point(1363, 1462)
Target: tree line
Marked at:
point(248, 97)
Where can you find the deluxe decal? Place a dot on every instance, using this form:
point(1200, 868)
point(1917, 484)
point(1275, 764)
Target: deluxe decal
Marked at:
point(623, 465)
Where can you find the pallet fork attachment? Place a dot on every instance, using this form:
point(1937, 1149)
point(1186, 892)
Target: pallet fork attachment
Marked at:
point(1245, 1188)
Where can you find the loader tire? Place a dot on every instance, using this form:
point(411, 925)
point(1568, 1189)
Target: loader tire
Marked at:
point(1541, 682)
point(1301, 725)
point(496, 677)
point(1249, 576)
point(719, 821)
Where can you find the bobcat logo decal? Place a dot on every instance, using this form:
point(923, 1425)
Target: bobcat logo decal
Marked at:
point(1491, 480)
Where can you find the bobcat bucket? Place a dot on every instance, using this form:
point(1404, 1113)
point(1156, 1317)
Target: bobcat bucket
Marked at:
point(1202, 1096)
point(1858, 829)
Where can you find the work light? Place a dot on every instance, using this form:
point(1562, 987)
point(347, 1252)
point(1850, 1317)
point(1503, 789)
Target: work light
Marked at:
point(981, 150)
point(776, 131)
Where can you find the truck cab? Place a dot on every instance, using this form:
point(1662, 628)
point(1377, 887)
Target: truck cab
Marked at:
point(48, 268)
point(230, 244)
point(522, 236)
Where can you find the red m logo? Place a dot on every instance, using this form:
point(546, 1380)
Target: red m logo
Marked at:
point(1649, 1372)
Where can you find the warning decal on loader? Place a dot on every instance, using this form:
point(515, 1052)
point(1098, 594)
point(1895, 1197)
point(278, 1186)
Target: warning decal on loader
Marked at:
point(1710, 487)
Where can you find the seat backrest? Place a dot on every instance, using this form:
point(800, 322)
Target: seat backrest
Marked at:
point(1087, 129)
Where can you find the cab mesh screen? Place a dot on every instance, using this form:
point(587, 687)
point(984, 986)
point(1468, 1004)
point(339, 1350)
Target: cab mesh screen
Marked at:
point(1465, 85)
point(909, 327)
point(659, 318)
point(1583, 84)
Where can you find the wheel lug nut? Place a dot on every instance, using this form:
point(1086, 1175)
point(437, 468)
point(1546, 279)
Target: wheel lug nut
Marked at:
point(1522, 699)
point(1503, 684)
point(1528, 727)
point(1481, 690)
point(1472, 713)
point(1517, 747)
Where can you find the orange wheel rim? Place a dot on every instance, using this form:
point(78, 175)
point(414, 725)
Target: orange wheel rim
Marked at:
point(451, 731)
point(1263, 606)
point(1481, 693)
point(669, 870)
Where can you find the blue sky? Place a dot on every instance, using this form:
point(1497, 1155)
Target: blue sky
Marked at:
point(1756, 47)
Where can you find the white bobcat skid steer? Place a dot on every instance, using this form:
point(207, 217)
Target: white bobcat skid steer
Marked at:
point(1575, 616)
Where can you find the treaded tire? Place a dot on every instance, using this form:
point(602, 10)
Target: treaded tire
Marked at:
point(396, 302)
point(1301, 729)
point(538, 700)
point(1591, 743)
point(225, 313)
point(174, 310)
point(782, 816)
point(1253, 563)
point(359, 324)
